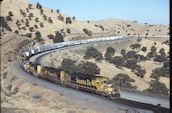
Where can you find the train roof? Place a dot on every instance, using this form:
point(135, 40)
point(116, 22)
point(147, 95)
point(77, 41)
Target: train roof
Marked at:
point(85, 76)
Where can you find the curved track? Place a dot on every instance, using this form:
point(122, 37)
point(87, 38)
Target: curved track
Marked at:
point(126, 102)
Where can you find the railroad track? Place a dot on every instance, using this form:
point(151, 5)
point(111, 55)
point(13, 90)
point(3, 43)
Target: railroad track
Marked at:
point(154, 108)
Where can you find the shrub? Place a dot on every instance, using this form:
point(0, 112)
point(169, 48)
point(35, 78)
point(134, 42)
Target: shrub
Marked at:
point(151, 54)
point(160, 72)
point(23, 13)
point(144, 49)
point(135, 46)
point(31, 29)
point(68, 30)
point(16, 31)
point(58, 11)
point(36, 19)
point(157, 87)
point(118, 61)
point(139, 57)
point(74, 18)
point(30, 6)
point(38, 37)
point(68, 20)
point(27, 9)
point(41, 24)
point(109, 53)
point(153, 49)
point(88, 68)
point(36, 26)
point(139, 72)
point(89, 33)
point(45, 17)
point(123, 80)
point(8, 18)
point(68, 65)
point(60, 17)
point(130, 54)
point(50, 36)
point(50, 20)
point(10, 13)
point(123, 53)
point(131, 64)
point(102, 28)
point(31, 15)
point(18, 23)
point(162, 51)
point(99, 57)
point(58, 37)
point(159, 58)
point(91, 52)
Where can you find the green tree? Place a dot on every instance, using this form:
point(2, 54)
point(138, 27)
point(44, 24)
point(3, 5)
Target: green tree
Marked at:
point(109, 53)
point(123, 80)
point(157, 87)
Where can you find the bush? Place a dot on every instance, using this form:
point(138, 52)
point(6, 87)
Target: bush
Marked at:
point(4, 24)
point(160, 72)
point(8, 18)
point(123, 80)
point(16, 31)
point(88, 68)
point(31, 29)
point(159, 58)
point(50, 20)
point(58, 11)
point(144, 49)
point(153, 49)
point(91, 52)
point(27, 23)
point(135, 46)
point(157, 87)
point(99, 57)
point(58, 37)
point(36, 26)
point(139, 57)
point(36, 19)
point(162, 51)
point(74, 18)
point(41, 24)
point(50, 36)
point(68, 65)
point(68, 30)
point(30, 6)
point(38, 37)
point(131, 64)
point(60, 17)
point(130, 54)
point(109, 53)
point(45, 17)
point(123, 52)
point(118, 61)
point(68, 20)
point(139, 72)
point(10, 13)
point(102, 28)
point(89, 33)
point(151, 54)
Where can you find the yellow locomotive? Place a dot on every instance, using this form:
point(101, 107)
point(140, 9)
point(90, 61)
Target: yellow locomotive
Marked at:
point(90, 83)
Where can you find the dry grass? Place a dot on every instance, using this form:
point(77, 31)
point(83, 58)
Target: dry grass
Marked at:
point(108, 69)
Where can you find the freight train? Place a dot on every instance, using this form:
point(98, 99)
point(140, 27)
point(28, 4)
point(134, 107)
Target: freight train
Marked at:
point(85, 82)
point(90, 83)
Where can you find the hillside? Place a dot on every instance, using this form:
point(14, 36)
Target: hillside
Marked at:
point(27, 19)
point(120, 27)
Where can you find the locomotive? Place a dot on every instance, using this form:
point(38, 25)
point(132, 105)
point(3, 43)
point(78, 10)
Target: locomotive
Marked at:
point(85, 82)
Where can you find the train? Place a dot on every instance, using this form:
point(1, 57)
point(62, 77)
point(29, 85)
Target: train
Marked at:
point(90, 83)
point(85, 82)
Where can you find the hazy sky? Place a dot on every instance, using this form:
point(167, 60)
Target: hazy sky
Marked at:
point(144, 11)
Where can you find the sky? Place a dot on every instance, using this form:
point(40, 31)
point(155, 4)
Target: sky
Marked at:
point(143, 11)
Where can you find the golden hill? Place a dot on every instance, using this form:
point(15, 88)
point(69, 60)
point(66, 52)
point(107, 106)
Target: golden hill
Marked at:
point(23, 12)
